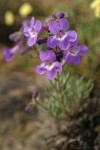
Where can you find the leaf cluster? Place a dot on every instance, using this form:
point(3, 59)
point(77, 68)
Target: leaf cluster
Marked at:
point(66, 94)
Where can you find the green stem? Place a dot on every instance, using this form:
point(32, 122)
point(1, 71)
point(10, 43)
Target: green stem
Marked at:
point(63, 64)
point(58, 83)
point(59, 90)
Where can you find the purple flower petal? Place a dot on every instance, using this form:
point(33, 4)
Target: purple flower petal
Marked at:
point(52, 41)
point(26, 31)
point(47, 55)
point(15, 49)
point(72, 35)
point(37, 26)
point(51, 74)
point(57, 66)
point(26, 23)
point(40, 69)
point(32, 22)
point(53, 27)
point(74, 43)
point(76, 60)
point(64, 44)
point(8, 55)
point(68, 58)
point(32, 40)
point(63, 24)
point(83, 50)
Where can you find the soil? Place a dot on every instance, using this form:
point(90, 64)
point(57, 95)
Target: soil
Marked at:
point(20, 129)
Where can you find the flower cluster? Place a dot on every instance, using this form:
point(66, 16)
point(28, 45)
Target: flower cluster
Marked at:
point(61, 44)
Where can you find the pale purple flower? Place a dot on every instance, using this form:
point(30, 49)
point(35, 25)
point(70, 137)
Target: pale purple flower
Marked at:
point(10, 53)
point(74, 52)
point(32, 31)
point(49, 65)
point(60, 37)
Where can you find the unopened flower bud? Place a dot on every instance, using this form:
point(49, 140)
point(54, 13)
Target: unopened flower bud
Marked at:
point(58, 15)
point(35, 93)
point(59, 56)
point(28, 107)
point(42, 41)
point(44, 28)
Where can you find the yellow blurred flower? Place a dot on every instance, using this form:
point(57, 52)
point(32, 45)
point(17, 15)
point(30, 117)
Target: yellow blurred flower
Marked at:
point(25, 9)
point(9, 18)
point(97, 12)
point(96, 6)
point(95, 3)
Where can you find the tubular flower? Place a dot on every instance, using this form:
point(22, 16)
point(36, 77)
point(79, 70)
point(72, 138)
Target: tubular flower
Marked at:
point(60, 37)
point(49, 65)
point(9, 54)
point(74, 52)
point(32, 31)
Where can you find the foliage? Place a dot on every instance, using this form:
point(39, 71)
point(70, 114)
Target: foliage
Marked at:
point(65, 95)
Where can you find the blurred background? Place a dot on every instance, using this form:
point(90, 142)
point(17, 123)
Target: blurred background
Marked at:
point(18, 129)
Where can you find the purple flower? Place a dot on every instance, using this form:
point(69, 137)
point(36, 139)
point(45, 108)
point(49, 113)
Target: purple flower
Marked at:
point(74, 52)
point(9, 54)
point(32, 31)
point(60, 37)
point(49, 65)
